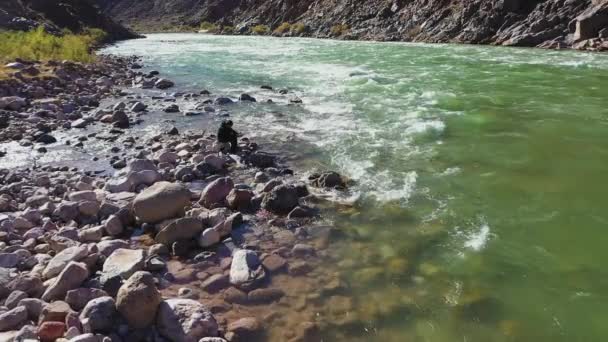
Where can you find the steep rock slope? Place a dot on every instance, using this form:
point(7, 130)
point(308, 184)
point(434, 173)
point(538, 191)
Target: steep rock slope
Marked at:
point(75, 15)
point(549, 23)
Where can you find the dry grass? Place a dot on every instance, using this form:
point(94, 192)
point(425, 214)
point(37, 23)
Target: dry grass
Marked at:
point(339, 30)
point(283, 28)
point(298, 28)
point(39, 45)
point(260, 29)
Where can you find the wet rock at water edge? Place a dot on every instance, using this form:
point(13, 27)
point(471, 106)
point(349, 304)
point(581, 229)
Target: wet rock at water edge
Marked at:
point(163, 83)
point(185, 320)
point(172, 109)
point(244, 329)
point(247, 98)
point(246, 271)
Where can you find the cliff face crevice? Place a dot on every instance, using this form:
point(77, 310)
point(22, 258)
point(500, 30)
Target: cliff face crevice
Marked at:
point(548, 23)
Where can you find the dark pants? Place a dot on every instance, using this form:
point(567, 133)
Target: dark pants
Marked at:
point(233, 144)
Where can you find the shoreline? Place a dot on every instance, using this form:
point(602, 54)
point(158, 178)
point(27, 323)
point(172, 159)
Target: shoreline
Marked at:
point(583, 48)
point(177, 226)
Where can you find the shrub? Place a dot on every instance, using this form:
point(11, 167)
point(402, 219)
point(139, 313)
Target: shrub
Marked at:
point(40, 45)
point(283, 28)
point(207, 26)
point(298, 28)
point(338, 30)
point(260, 29)
point(228, 29)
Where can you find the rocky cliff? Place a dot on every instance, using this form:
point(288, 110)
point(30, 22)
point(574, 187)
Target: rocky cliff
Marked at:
point(55, 15)
point(548, 23)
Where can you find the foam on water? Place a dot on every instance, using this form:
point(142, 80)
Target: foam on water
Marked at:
point(476, 241)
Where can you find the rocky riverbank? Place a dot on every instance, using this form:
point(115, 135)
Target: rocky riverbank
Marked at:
point(171, 241)
point(579, 24)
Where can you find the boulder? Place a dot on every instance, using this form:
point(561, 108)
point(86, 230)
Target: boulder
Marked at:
point(99, 315)
point(161, 201)
point(261, 159)
point(215, 161)
point(264, 296)
point(14, 103)
point(107, 247)
point(215, 192)
point(12, 319)
point(56, 311)
point(244, 329)
point(9, 260)
point(113, 226)
point(208, 238)
point(183, 228)
point(328, 180)
point(246, 270)
point(163, 83)
point(282, 199)
point(71, 277)
point(124, 262)
point(172, 108)
point(240, 199)
point(120, 119)
point(247, 97)
point(51, 331)
point(138, 300)
point(185, 320)
point(138, 107)
point(78, 298)
point(215, 283)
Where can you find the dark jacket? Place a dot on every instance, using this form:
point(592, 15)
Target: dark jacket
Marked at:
point(226, 134)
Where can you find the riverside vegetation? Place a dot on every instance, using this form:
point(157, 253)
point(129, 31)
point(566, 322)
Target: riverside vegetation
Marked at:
point(40, 45)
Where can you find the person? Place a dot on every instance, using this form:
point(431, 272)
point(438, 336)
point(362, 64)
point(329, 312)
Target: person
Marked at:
point(227, 136)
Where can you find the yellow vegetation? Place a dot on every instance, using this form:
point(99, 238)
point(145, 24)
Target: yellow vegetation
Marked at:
point(40, 45)
point(338, 30)
point(298, 28)
point(283, 28)
point(207, 26)
point(260, 29)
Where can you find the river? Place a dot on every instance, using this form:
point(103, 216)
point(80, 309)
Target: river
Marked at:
point(479, 206)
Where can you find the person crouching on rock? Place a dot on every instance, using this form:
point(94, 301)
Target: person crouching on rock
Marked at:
point(227, 137)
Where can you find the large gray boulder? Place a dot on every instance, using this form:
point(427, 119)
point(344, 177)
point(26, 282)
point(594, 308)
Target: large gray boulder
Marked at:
point(161, 201)
point(185, 320)
point(138, 300)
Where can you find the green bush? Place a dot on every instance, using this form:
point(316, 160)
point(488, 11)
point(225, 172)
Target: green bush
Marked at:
point(298, 28)
point(228, 29)
point(283, 28)
point(40, 45)
point(207, 26)
point(338, 30)
point(260, 29)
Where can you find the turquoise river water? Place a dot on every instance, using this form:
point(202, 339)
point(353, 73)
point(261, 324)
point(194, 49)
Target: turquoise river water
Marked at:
point(480, 210)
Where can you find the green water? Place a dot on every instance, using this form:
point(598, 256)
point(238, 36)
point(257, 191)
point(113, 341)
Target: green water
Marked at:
point(481, 211)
